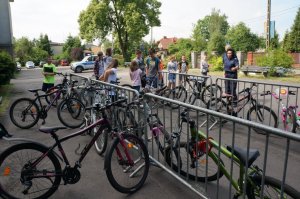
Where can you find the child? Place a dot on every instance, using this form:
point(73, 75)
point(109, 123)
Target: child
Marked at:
point(204, 66)
point(172, 68)
point(135, 75)
point(110, 76)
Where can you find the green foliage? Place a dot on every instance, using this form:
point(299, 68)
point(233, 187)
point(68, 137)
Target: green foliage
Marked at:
point(274, 42)
point(70, 43)
point(216, 43)
point(181, 47)
point(284, 43)
point(7, 68)
point(38, 55)
point(129, 21)
point(206, 27)
point(43, 43)
point(23, 49)
point(216, 63)
point(119, 58)
point(275, 58)
point(293, 44)
point(241, 38)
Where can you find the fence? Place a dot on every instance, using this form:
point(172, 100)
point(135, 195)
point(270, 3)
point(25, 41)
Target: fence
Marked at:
point(278, 149)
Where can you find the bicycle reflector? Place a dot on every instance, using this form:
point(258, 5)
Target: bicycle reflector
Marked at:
point(7, 171)
point(281, 92)
point(202, 145)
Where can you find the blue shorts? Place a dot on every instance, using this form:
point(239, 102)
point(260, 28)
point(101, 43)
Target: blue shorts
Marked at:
point(172, 78)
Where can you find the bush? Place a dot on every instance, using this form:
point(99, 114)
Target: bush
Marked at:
point(119, 58)
point(7, 68)
point(275, 58)
point(216, 63)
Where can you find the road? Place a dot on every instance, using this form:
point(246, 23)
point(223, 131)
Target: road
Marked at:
point(159, 184)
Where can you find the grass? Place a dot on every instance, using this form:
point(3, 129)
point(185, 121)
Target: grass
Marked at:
point(5, 94)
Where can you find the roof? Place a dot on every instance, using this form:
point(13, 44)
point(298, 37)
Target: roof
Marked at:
point(165, 42)
point(56, 44)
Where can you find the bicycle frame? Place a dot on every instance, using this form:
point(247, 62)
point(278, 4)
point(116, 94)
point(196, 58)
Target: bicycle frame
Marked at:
point(237, 184)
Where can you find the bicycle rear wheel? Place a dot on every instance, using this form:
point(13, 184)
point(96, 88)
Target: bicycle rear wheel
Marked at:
point(125, 175)
point(211, 92)
point(20, 179)
point(24, 113)
point(272, 189)
point(187, 168)
point(264, 115)
point(290, 124)
point(71, 112)
point(101, 142)
point(179, 94)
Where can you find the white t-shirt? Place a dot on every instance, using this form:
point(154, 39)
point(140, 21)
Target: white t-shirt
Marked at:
point(107, 60)
point(112, 77)
point(203, 66)
point(135, 77)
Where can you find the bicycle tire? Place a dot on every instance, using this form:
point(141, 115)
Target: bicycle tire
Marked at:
point(13, 151)
point(133, 141)
point(32, 107)
point(179, 94)
point(70, 112)
point(101, 142)
point(259, 118)
point(253, 192)
point(207, 95)
point(183, 167)
point(290, 123)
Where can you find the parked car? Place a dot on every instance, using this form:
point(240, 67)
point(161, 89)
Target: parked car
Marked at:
point(29, 64)
point(64, 62)
point(41, 64)
point(19, 67)
point(85, 64)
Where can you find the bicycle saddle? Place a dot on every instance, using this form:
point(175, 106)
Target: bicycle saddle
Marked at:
point(241, 154)
point(51, 129)
point(34, 90)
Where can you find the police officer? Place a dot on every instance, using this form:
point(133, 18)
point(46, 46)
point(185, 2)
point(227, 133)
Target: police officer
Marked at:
point(231, 66)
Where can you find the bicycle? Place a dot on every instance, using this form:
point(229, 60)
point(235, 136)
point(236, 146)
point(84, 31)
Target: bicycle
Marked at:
point(32, 178)
point(26, 112)
point(288, 114)
point(202, 92)
point(204, 152)
point(257, 112)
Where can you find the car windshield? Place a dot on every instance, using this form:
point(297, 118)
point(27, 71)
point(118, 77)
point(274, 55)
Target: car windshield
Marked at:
point(86, 58)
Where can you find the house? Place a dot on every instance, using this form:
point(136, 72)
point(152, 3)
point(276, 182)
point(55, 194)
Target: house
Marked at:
point(164, 43)
point(57, 48)
point(6, 34)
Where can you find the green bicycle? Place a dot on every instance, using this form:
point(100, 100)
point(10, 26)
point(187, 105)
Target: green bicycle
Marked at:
point(194, 153)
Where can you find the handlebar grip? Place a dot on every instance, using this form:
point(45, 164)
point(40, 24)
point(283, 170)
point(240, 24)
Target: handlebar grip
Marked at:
point(266, 93)
point(292, 92)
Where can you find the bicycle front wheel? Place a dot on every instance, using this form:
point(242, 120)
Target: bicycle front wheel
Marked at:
point(127, 164)
point(195, 170)
point(264, 115)
point(290, 124)
point(179, 94)
point(271, 190)
point(101, 142)
point(211, 92)
point(24, 113)
point(71, 112)
point(20, 179)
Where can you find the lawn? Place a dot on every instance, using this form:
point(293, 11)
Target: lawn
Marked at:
point(5, 94)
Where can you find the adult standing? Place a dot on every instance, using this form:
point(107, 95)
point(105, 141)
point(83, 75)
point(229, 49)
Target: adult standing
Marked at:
point(231, 66)
point(183, 67)
point(204, 66)
point(49, 71)
point(108, 58)
point(152, 68)
point(99, 65)
point(141, 65)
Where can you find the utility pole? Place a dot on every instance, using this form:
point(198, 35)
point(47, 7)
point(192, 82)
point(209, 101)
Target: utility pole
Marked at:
point(268, 25)
point(151, 43)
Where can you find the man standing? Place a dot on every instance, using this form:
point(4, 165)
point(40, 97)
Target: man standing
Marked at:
point(141, 65)
point(99, 65)
point(183, 68)
point(152, 68)
point(49, 71)
point(231, 66)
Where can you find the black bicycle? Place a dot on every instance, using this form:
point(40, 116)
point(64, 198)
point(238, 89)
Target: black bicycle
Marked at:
point(33, 170)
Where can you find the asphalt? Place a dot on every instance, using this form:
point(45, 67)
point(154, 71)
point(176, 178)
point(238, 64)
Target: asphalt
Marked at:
point(159, 184)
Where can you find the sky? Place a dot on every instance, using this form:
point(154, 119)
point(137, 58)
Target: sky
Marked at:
point(58, 18)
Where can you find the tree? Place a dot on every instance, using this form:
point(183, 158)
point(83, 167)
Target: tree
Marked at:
point(43, 43)
point(129, 21)
point(181, 47)
point(293, 43)
point(274, 42)
point(216, 43)
point(204, 28)
point(23, 49)
point(70, 43)
point(77, 54)
point(284, 43)
point(38, 55)
point(241, 38)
